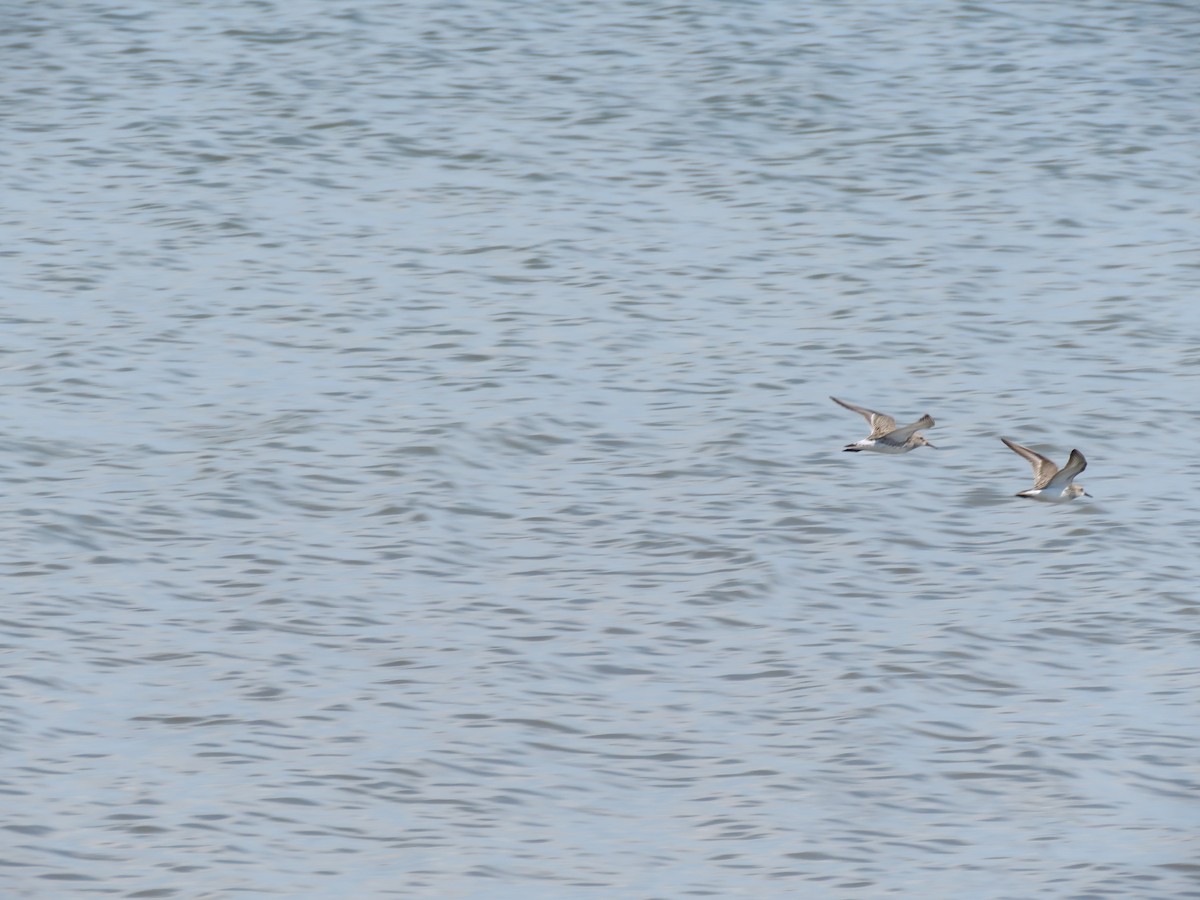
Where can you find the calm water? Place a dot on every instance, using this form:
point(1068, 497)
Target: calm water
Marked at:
point(422, 482)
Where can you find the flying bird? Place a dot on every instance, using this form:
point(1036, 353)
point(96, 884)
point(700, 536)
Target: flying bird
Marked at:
point(885, 437)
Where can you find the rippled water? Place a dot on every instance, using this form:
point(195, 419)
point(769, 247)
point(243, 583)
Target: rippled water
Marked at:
point(422, 478)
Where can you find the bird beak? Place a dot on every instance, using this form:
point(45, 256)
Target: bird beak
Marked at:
point(1086, 494)
point(927, 444)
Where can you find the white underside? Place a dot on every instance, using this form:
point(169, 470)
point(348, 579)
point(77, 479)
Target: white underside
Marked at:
point(882, 447)
point(1044, 497)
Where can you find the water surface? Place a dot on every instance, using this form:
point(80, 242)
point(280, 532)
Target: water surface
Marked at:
point(422, 478)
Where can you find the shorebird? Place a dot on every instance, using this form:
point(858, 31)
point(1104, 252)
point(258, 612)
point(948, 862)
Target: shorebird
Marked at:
point(1050, 483)
point(885, 437)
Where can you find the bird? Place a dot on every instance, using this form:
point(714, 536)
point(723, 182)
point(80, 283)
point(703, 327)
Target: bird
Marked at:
point(885, 437)
point(1050, 483)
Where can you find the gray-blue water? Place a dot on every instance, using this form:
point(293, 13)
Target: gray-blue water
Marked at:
point(422, 482)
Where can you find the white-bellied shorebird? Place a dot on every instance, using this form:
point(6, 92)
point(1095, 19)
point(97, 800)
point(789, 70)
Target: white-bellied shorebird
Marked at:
point(1050, 483)
point(885, 437)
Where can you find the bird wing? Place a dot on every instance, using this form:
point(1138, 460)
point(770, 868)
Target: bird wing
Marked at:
point(880, 424)
point(903, 433)
point(1075, 464)
point(1043, 469)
